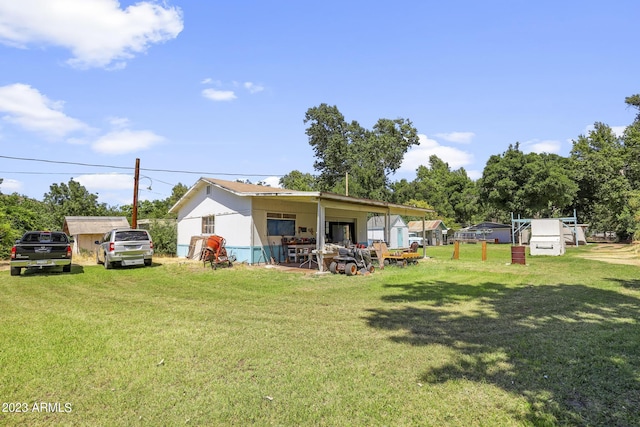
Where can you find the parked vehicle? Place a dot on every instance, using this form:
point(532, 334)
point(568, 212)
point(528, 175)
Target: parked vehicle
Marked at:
point(41, 249)
point(125, 247)
point(413, 237)
point(351, 260)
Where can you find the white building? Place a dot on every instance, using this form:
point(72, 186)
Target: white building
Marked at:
point(398, 236)
point(255, 219)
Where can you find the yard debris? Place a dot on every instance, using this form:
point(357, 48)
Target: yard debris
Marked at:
point(268, 397)
point(160, 363)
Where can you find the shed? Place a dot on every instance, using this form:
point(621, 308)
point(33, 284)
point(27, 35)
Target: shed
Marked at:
point(398, 230)
point(261, 223)
point(435, 231)
point(85, 230)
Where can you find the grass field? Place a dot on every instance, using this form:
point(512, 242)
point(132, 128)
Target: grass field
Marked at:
point(444, 343)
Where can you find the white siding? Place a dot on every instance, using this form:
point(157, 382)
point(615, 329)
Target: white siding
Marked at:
point(232, 217)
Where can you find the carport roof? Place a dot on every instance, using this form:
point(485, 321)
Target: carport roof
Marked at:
point(74, 225)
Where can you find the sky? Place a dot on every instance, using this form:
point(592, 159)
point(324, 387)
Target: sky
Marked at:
point(220, 88)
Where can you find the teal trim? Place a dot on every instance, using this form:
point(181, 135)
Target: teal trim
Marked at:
point(248, 254)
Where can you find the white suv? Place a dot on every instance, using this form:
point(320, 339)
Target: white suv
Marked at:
point(125, 247)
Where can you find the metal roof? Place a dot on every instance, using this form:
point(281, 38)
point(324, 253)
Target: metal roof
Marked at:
point(253, 190)
point(74, 225)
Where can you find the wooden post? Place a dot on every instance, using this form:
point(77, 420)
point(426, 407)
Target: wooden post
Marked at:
point(136, 178)
point(456, 250)
point(484, 251)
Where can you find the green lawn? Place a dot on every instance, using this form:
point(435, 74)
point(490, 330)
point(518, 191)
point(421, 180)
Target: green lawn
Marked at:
point(444, 343)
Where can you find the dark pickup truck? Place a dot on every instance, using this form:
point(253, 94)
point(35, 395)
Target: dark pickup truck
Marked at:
point(41, 249)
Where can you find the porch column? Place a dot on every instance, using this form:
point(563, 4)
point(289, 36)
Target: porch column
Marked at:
point(320, 230)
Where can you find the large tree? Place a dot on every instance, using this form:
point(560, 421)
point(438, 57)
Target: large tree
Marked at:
point(599, 160)
point(72, 199)
point(367, 156)
point(452, 194)
point(532, 185)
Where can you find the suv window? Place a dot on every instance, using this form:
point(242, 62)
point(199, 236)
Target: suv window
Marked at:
point(131, 235)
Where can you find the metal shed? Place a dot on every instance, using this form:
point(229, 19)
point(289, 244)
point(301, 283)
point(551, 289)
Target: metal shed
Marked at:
point(85, 230)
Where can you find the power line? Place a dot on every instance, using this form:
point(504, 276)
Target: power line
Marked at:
point(132, 168)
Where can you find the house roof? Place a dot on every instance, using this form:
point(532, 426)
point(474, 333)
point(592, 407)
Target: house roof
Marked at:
point(253, 190)
point(74, 225)
point(434, 224)
point(491, 225)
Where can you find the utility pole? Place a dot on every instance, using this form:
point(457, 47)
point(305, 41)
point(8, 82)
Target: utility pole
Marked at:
point(136, 178)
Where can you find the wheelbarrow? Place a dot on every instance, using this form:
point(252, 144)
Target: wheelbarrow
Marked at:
point(215, 253)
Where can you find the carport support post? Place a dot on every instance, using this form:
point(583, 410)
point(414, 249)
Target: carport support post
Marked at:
point(320, 229)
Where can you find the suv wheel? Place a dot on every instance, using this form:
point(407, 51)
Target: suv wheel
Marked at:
point(107, 263)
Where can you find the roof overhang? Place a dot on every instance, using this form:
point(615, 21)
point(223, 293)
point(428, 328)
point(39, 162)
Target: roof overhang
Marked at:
point(330, 200)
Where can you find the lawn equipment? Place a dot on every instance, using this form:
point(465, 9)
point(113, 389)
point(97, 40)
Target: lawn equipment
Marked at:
point(215, 253)
point(350, 261)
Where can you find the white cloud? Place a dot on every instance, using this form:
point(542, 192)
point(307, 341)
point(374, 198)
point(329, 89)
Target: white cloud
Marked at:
point(219, 95)
point(253, 88)
point(106, 181)
point(272, 181)
point(9, 186)
point(97, 32)
point(419, 156)
point(28, 108)
point(546, 146)
point(126, 141)
point(459, 137)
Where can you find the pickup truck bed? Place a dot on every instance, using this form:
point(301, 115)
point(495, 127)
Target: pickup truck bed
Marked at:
point(41, 249)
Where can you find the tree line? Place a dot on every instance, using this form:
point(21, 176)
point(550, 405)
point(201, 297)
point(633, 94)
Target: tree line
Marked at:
point(600, 180)
point(19, 214)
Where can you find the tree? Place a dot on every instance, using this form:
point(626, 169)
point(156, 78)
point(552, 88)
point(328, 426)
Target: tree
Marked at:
point(296, 180)
point(368, 156)
point(534, 185)
point(72, 199)
point(599, 160)
point(451, 193)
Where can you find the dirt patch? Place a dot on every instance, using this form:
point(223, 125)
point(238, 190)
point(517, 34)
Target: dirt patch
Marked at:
point(615, 253)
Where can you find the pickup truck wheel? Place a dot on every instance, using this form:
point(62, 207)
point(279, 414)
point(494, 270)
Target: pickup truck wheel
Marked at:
point(15, 271)
point(66, 268)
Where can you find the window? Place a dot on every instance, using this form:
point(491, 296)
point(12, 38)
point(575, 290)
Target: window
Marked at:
point(208, 224)
point(281, 224)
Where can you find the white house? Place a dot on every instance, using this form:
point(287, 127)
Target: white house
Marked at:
point(398, 236)
point(256, 220)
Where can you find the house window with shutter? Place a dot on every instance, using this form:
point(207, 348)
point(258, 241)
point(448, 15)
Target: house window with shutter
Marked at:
point(208, 224)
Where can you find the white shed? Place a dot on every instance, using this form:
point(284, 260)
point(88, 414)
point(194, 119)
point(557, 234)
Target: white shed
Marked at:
point(547, 237)
point(398, 231)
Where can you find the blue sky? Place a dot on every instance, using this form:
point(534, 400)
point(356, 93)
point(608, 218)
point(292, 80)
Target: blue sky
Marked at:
point(221, 88)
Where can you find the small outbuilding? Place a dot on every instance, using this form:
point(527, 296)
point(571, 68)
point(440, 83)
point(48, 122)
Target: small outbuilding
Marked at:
point(85, 230)
point(398, 230)
point(435, 231)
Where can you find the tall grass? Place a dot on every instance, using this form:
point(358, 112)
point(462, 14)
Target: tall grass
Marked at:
point(446, 342)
